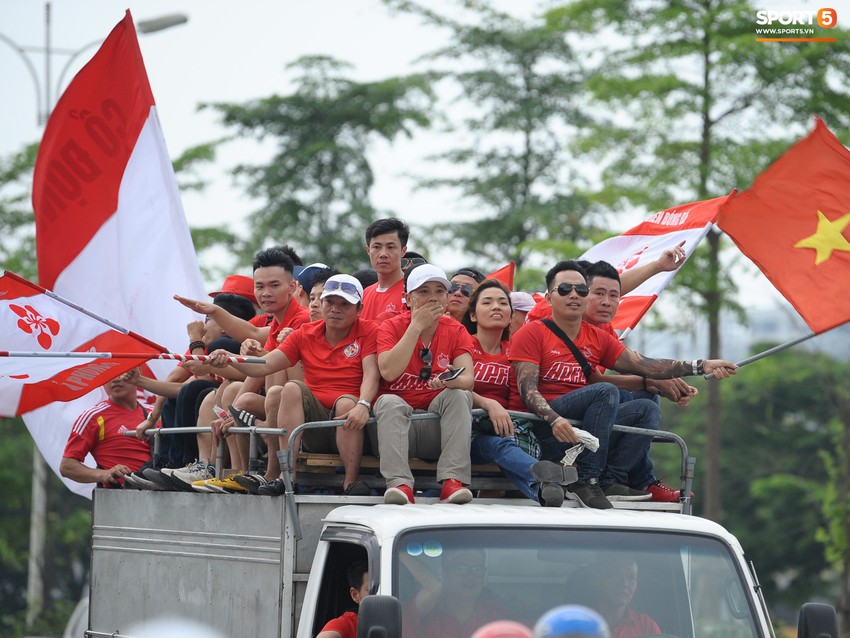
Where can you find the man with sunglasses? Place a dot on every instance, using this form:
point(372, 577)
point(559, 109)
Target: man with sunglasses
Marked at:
point(463, 283)
point(413, 349)
point(340, 379)
point(553, 383)
point(386, 245)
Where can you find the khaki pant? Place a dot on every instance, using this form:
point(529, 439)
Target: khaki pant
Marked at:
point(445, 440)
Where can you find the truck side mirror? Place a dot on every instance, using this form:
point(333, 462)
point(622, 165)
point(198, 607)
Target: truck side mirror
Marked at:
point(817, 620)
point(380, 617)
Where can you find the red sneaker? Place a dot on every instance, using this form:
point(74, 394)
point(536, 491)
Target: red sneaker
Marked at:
point(454, 492)
point(662, 493)
point(399, 495)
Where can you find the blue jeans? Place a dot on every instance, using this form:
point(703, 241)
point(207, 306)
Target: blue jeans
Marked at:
point(595, 406)
point(628, 454)
point(641, 475)
point(515, 463)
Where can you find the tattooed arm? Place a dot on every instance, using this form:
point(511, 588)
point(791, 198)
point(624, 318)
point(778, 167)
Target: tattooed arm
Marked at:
point(633, 362)
point(527, 376)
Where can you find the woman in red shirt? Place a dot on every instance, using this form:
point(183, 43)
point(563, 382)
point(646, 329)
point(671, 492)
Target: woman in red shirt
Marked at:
point(497, 438)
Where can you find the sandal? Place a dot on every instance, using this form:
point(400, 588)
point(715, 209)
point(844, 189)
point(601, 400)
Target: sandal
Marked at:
point(243, 417)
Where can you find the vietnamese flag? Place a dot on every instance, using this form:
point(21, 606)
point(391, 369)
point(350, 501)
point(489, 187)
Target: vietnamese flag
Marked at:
point(505, 274)
point(794, 224)
point(110, 230)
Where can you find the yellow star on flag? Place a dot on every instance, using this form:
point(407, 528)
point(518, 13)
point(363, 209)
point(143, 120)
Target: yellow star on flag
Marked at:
point(827, 237)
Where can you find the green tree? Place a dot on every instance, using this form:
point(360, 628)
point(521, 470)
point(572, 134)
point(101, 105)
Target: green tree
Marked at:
point(778, 415)
point(315, 190)
point(519, 87)
point(693, 107)
point(17, 242)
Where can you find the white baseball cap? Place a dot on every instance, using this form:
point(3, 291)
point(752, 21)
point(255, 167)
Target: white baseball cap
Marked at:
point(425, 273)
point(344, 286)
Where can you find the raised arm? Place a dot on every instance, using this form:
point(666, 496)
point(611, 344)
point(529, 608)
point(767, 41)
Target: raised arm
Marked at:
point(633, 362)
point(237, 328)
point(670, 259)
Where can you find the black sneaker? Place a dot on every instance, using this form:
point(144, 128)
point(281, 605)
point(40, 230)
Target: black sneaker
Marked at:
point(251, 482)
point(358, 488)
point(620, 492)
point(589, 494)
point(550, 495)
point(275, 488)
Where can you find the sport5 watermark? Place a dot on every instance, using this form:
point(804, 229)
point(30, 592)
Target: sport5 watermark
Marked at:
point(796, 26)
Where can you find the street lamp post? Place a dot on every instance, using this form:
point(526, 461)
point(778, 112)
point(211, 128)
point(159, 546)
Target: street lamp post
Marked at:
point(44, 105)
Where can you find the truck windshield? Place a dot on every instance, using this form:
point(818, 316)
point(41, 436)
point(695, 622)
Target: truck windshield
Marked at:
point(452, 581)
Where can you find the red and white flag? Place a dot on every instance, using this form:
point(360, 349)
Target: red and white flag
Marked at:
point(505, 274)
point(110, 229)
point(35, 321)
point(645, 243)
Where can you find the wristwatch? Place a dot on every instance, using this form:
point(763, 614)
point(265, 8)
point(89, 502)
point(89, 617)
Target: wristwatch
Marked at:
point(364, 402)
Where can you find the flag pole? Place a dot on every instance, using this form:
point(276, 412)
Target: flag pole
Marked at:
point(768, 352)
point(127, 355)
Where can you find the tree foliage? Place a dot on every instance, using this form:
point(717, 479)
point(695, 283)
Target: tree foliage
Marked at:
point(315, 190)
point(518, 86)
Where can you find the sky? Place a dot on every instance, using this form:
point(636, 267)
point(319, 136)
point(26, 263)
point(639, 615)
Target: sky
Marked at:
point(228, 52)
point(233, 52)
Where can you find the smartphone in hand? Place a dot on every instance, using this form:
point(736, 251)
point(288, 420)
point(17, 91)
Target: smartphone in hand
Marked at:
point(448, 375)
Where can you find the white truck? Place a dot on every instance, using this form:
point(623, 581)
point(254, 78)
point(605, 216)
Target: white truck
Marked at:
point(263, 567)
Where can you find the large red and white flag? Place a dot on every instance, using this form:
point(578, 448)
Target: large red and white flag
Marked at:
point(34, 322)
point(645, 243)
point(110, 229)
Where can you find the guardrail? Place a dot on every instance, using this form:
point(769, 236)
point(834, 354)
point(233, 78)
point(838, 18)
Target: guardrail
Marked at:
point(287, 457)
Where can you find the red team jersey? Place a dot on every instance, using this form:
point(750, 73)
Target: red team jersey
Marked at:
point(329, 371)
point(377, 302)
point(100, 431)
point(295, 315)
point(450, 341)
point(559, 371)
point(345, 625)
point(492, 373)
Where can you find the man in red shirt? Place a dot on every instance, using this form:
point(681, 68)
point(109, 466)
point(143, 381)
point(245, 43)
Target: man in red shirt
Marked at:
point(611, 586)
point(340, 379)
point(100, 431)
point(345, 626)
point(554, 383)
point(413, 349)
point(386, 244)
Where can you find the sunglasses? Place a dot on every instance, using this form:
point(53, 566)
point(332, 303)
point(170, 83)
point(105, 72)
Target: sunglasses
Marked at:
point(412, 262)
point(464, 570)
point(465, 289)
point(344, 286)
point(565, 289)
point(425, 372)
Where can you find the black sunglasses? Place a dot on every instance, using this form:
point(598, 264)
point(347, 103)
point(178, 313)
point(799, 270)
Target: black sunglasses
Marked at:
point(425, 372)
point(565, 289)
point(465, 289)
point(412, 262)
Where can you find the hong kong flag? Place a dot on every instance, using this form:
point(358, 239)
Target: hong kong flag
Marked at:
point(110, 230)
point(35, 322)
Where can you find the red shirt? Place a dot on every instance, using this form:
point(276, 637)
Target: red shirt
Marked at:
point(331, 371)
point(377, 302)
point(100, 431)
point(492, 372)
point(635, 624)
point(440, 623)
point(450, 341)
point(261, 321)
point(295, 315)
point(560, 373)
point(541, 311)
point(345, 625)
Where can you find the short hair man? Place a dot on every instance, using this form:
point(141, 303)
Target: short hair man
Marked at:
point(100, 431)
point(552, 384)
point(603, 281)
point(413, 349)
point(340, 378)
point(345, 626)
point(386, 244)
point(612, 584)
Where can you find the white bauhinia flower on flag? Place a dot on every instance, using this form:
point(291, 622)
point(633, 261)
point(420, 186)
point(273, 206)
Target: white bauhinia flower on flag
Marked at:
point(35, 322)
point(110, 229)
point(645, 243)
